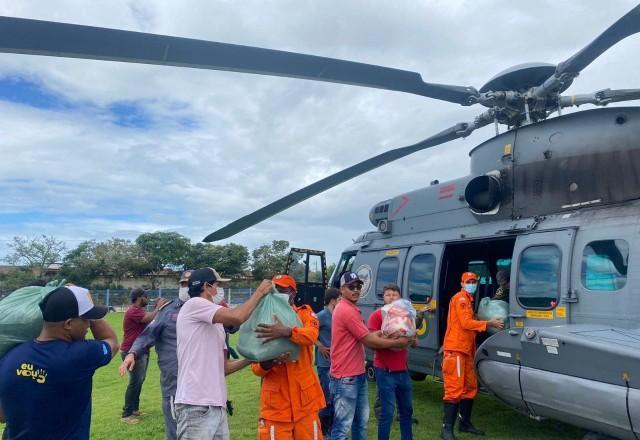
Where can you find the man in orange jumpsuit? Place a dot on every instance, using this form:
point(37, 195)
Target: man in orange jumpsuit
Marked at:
point(291, 395)
point(460, 383)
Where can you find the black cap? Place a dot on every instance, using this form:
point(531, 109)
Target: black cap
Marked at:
point(70, 302)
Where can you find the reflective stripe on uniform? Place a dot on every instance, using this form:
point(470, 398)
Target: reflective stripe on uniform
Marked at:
point(458, 365)
point(272, 432)
point(315, 430)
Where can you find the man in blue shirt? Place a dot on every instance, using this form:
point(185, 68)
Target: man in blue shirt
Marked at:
point(45, 392)
point(323, 358)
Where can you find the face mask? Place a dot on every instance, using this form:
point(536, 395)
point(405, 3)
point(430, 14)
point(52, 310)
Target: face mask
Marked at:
point(183, 294)
point(470, 288)
point(217, 299)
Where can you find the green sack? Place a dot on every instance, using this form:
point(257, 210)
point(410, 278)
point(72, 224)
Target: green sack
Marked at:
point(252, 347)
point(20, 315)
point(494, 308)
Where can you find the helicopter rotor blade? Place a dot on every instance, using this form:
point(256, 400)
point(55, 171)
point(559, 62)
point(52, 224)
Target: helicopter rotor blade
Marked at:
point(457, 131)
point(627, 25)
point(35, 37)
point(600, 98)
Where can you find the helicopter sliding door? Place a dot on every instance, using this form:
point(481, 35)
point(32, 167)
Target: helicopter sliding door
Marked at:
point(540, 278)
point(421, 277)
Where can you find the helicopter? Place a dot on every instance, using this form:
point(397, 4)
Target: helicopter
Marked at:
point(553, 201)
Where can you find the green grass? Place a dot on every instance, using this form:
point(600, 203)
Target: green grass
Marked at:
point(500, 422)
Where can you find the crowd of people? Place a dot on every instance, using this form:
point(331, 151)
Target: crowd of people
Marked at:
point(190, 336)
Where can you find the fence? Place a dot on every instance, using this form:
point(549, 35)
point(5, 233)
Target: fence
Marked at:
point(118, 299)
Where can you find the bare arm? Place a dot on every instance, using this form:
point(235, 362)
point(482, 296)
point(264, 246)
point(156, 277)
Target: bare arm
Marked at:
point(236, 316)
point(103, 332)
point(149, 316)
point(376, 342)
point(231, 367)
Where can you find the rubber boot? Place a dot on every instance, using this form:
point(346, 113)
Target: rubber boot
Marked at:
point(449, 419)
point(465, 418)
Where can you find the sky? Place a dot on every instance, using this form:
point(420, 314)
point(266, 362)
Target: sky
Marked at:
point(95, 149)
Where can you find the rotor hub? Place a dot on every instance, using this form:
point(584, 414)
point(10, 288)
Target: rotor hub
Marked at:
point(520, 78)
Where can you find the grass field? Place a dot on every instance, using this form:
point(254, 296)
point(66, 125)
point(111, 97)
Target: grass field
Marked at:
point(500, 422)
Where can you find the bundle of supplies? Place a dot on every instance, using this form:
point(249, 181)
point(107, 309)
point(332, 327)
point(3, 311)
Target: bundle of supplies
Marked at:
point(254, 348)
point(493, 308)
point(399, 319)
point(20, 315)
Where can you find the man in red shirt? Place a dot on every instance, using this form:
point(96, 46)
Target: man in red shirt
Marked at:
point(348, 384)
point(458, 373)
point(392, 378)
point(135, 320)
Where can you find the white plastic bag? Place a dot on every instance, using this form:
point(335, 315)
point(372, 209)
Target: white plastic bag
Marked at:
point(399, 319)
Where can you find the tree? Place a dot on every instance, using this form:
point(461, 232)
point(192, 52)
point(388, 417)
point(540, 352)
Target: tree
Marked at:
point(36, 253)
point(162, 249)
point(15, 279)
point(113, 259)
point(268, 260)
point(230, 259)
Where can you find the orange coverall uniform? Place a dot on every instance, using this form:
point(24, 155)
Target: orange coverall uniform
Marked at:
point(291, 395)
point(458, 372)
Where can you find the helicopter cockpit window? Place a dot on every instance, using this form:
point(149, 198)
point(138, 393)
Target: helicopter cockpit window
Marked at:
point(604, 265)
point(345, 265)
point(387, 273)
point(421, 271)
point(539, 277)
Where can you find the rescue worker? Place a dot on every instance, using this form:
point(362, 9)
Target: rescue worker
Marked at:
point(291, 395)
point(460, 382)
point(502, 293)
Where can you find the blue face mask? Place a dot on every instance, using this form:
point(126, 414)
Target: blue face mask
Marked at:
point(470, 288)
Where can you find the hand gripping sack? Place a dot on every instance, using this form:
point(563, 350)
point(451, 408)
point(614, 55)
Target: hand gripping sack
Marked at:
point(251, 347)
point(399, 318)
point(493, 308)
point(20, 315)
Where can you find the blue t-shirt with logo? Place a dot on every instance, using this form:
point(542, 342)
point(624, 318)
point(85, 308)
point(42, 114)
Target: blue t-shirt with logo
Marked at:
point(45, 388)
point(324, 336)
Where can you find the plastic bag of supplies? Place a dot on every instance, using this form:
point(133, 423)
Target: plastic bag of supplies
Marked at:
point(399, 318)
point(20, 315)
point(252, 347)
point(493, 308)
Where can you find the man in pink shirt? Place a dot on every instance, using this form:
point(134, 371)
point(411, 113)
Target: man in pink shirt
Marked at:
point(201, 395)
point(348, 385)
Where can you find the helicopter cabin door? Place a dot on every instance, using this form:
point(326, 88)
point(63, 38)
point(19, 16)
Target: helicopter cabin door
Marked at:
point(419, 287)
point(540, 278)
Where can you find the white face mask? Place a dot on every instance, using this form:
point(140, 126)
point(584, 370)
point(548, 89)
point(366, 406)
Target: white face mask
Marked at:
point(183, 294)
point(217, 299)
point(470, 288)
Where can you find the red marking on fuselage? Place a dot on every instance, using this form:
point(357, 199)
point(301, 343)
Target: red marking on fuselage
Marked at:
point(404, 202)
point(447, 191)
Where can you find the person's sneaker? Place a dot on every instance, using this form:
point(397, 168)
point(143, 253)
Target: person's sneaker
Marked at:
point(131, 420)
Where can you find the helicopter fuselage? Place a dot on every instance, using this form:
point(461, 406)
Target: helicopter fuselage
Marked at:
point(556, 204)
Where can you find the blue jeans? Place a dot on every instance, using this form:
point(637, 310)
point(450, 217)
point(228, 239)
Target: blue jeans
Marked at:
point(325, 379)
point(394, 388)
point(170, 424)
point(196, 422)
point(350, 407)
point(136, 379)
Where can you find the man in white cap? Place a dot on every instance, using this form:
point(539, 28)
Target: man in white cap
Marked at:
point(58, 364)
point(201, 395)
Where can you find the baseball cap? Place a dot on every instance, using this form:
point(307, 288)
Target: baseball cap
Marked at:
point(205, 275)
point(70, 302)
point(185, 275)
point(284, 280)
point(469, 276)
point(349, 277)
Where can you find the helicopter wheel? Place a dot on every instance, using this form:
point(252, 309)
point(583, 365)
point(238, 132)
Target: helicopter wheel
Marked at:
point(371, 372)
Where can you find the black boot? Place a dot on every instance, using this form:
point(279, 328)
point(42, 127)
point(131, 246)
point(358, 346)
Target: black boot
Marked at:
point(465, 418)
point(449, 419)
point(325, 423)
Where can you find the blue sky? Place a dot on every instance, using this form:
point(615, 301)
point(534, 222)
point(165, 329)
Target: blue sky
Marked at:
point(94, 150)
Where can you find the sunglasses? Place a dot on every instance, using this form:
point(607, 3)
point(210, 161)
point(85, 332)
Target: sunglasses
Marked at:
point(354, 286)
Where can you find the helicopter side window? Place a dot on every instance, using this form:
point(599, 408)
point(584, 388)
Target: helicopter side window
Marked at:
point(421, 272)
point(387, 273)
point(604, 265)
point(345, 265)
point(539, 277)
